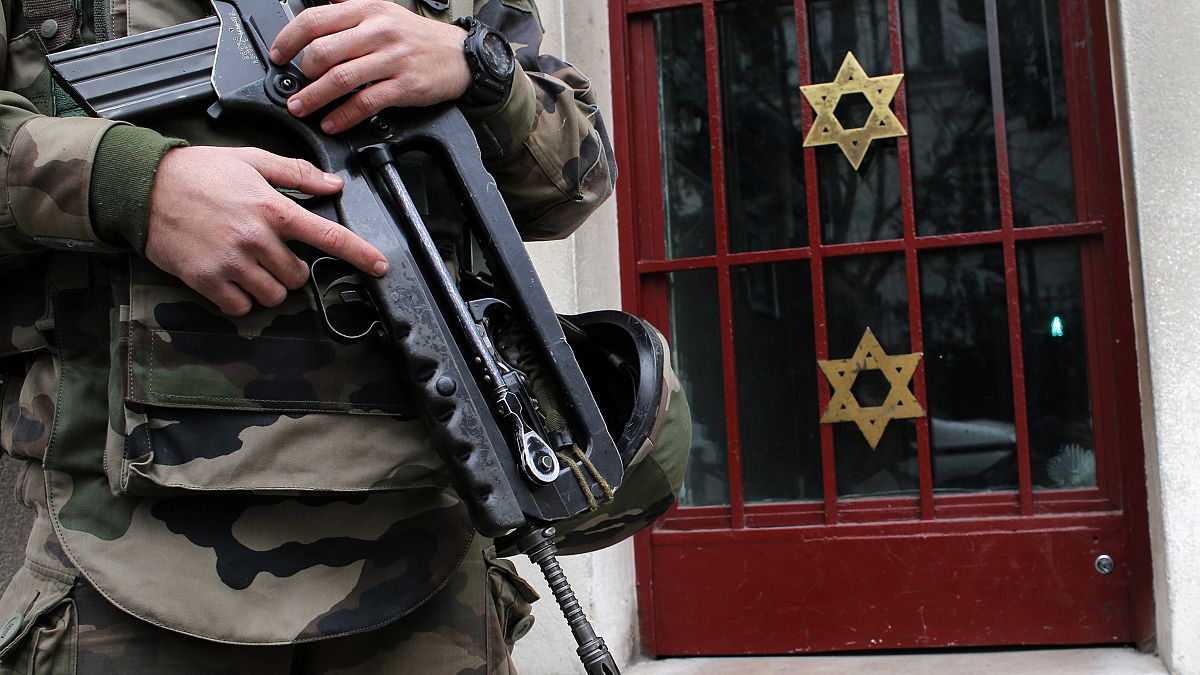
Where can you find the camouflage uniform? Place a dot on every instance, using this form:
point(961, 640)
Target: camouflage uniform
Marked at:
point(241, 480)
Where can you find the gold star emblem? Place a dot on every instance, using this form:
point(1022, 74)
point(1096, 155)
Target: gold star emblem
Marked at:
point(900, 403)
point(852, 79)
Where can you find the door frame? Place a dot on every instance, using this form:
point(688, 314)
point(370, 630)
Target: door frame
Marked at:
point(635, 122)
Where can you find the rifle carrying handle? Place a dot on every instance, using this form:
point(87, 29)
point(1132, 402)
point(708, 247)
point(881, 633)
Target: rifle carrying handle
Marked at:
point(440, 377)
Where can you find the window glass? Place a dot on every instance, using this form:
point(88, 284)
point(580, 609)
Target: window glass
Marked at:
point(696, 357)
point(968, 369)
point(1035, 113)
point(950, 116)
point(777, 382)
point(760, 107)
point(683, 120)
point(1057, 394)
point(870, 292)
point(861, 205)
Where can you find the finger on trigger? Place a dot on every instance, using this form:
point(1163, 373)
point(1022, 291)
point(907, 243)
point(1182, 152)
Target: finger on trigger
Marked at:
point(334, 240)
point(289, 172)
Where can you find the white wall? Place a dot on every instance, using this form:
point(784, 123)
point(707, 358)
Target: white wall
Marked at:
point(1156, 57)
point(581, 274)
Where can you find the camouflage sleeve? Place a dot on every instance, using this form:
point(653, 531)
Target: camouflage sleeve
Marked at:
point(47, 164)
point(546, 145)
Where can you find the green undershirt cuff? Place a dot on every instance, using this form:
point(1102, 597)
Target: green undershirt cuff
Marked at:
point(122, 176)
point(502, 128)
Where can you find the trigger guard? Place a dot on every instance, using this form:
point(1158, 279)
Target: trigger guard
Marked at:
point(353, 280)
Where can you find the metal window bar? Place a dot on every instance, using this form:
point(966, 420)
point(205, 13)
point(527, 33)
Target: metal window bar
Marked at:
point(651, 264)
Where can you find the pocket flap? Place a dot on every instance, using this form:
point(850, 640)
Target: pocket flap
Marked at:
point(30, 593)
point(182, 352)
point(513, 597)
point(205, 401)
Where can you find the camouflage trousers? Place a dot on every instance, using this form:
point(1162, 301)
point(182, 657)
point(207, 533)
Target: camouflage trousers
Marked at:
point(468, 627)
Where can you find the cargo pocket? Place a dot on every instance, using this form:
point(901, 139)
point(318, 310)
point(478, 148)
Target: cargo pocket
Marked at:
point(512, 598)
point(38, 632)
point(263, 402)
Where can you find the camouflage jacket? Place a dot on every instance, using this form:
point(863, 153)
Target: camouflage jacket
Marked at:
point(244, 480)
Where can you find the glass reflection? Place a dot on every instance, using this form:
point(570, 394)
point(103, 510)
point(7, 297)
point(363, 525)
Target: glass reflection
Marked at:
point(1035, 113)
point(760, 104)
point(968, 369)
point(861, 292)
point(950, 116)
point(696, 357)
point(683, 120)
point(776, 372)
point(1057, 394)
point(861, 205)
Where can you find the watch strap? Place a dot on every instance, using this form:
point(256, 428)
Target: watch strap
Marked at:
point(487, 87)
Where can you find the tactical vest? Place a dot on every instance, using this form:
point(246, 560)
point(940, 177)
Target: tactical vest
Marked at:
point(243, 480)
point(247, 479)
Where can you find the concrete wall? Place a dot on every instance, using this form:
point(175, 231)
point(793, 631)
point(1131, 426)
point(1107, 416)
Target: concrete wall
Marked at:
point(1155, 54)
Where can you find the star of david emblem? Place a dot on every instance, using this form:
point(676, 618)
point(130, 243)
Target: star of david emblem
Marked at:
point(900, 403)
point(852, 79)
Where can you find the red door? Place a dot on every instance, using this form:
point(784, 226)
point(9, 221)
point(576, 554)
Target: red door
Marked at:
point(974, 477)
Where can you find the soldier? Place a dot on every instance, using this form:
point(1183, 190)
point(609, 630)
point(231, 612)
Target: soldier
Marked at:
point(217, 486)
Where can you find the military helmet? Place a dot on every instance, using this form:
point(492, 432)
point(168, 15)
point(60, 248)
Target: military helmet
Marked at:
point(622, 358)
point(627, 364)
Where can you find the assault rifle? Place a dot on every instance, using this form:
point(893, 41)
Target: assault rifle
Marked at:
point(502, 460)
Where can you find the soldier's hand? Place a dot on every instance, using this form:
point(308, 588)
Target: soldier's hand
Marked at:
point(396, 56)
point(217, 223)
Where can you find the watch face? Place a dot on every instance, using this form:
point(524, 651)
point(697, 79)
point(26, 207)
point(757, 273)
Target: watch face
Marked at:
point(496, 54)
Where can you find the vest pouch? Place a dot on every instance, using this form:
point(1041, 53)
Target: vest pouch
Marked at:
point(36, 616)
point(266, 402)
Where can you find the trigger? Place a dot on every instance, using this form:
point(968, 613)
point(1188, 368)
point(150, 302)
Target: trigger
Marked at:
point(353, 297)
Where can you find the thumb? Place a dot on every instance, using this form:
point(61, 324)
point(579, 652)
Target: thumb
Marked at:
point(289, 172)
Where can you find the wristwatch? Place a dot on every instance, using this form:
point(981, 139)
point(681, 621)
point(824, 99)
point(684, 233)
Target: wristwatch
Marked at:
point(491, 61)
